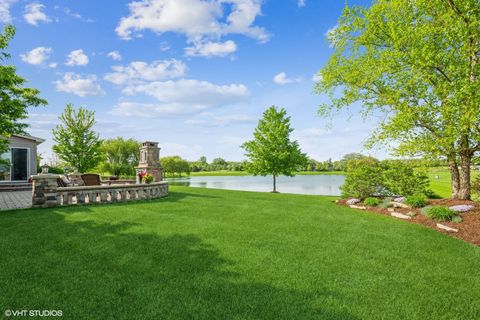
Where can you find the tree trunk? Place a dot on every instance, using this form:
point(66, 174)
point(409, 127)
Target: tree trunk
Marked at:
point(274, 183)
point(452, 165)
point(465, 161)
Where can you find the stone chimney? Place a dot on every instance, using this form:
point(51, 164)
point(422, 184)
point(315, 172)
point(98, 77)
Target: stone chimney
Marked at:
point(150, 161)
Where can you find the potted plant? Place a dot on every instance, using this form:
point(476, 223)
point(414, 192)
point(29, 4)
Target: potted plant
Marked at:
point(148, 178)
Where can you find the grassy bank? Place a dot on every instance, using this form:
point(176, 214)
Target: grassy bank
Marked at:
point(215, 254)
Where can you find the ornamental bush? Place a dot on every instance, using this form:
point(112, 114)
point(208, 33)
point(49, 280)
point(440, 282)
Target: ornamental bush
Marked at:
point(371, 202)
point(416, 201)
point(364, 180)
point(369, 177)
point(402, 179)
point(440, 213)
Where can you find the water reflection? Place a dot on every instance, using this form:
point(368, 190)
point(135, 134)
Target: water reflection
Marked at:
point(301, 184)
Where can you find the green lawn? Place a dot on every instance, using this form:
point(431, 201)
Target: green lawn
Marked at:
point(440, 181)
point(215, 254)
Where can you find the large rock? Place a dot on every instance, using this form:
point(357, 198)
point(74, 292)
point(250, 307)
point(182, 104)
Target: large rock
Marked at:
point(400, 215)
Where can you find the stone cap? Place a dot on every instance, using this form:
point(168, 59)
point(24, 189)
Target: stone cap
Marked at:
point(45, 176)
point(150, 144)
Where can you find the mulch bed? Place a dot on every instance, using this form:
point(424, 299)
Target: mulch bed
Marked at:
point(468, 229)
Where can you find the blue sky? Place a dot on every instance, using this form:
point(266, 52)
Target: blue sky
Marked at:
point(193, 75)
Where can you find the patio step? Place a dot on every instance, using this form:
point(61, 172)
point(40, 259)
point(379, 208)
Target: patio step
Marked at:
point(15, 186)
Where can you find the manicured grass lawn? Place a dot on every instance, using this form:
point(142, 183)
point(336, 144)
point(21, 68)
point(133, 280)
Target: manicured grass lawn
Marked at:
point(216, 254)
point(440, 181)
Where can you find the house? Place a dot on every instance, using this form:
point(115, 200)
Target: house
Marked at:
point(22, 158)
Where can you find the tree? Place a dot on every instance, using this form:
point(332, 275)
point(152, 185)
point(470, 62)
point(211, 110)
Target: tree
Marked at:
point(76, 142)
point(120, 156)
point(175, 164)
point(14, 98)
point(413, 64)
point(271, 151)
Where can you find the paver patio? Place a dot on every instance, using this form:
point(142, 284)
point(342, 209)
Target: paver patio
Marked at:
point(15, 200)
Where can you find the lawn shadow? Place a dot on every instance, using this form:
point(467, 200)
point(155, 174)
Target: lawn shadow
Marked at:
point(92, 270)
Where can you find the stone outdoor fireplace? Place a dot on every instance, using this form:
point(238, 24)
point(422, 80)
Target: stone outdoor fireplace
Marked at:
point(150, 161)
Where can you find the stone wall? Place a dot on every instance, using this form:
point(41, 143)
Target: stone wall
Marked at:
point(46, 192)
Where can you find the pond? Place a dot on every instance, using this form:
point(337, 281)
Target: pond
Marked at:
point(327, 185)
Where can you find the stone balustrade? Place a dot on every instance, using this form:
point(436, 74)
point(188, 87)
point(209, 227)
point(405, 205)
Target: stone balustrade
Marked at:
point(46, 192)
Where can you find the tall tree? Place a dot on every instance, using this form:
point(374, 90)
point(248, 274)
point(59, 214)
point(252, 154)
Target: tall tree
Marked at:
point(121, 156)
point(271, 151)
point(413, 64)
point(14, 98)
point(76, 142)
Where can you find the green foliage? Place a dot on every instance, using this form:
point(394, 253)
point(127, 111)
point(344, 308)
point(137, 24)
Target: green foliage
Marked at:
point(416, 201)
point(271, 151)
point(369, 177)
point(120, 156)
point(402, 179)
point(440, 213)
point(76, 142)
point(385, 203)
point(457, 219)
point(363, 180)
point(371, 202)
point(148, 178)
point(415, 65)
point(14, 98)
point(55, 170)
point(175, 165)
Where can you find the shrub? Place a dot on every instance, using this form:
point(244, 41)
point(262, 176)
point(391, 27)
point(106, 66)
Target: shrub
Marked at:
point(369, 177)
point(364, 180)
point(416, 201)
point(440, 213)
point(401, 178)
point(386, 203)
point(54, 170)
point(371, 202)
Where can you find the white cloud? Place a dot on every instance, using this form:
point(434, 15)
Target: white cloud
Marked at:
point(34, 14)
point(194, 18)
point(53, 65)
point(282, 79)
point(77, 58)
point(181, 97)
point(193, 92)
point(78, 85)
point(37, 56)
point(115, 55)
point(316, 77)
point(5, 16)
point(211, 49)
point(76, 15)
point(301, 3)
point(139, 70)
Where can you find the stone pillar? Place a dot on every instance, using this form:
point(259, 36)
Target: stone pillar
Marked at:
point(44, 190)
point(150, 161)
